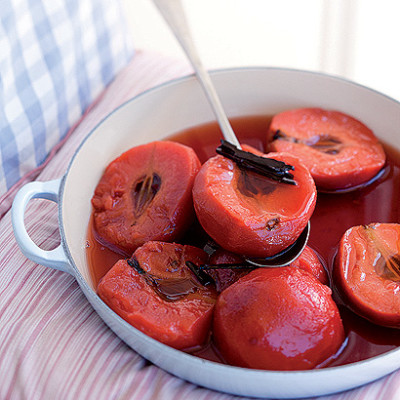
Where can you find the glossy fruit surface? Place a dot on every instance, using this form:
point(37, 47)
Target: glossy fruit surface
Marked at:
point(277, 319)
point(367, 272)
point(339, 151)
point(249, 214)
point(309, 261)
point(158, 294)
point(146, 194)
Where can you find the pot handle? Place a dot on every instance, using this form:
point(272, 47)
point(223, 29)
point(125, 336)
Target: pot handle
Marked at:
point(49, 190)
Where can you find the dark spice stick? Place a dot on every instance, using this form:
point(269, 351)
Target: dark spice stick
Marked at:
point(273, 169)
point(226, 266)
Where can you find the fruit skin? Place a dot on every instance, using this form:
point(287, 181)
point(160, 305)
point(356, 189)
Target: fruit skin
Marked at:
point(182, 324)
point(309, 261)
point(277, 319)
point(243, 221)
point(368, 292)
point(126, 218)
point(353, 157)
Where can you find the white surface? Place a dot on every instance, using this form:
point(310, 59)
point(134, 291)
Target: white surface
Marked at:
point(356, 39)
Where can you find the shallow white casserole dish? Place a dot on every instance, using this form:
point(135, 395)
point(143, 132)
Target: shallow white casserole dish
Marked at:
point(166, 110)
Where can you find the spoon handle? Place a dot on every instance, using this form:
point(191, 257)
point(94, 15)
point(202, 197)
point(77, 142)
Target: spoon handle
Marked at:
point(174, 15)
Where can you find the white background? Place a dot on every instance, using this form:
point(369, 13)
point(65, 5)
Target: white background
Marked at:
point(356, 39)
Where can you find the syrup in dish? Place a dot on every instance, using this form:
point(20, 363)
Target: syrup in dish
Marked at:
point(334, 213)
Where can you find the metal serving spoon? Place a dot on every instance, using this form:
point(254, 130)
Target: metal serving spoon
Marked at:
point(174, 15)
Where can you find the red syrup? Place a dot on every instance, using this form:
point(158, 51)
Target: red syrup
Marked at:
point(333, 215)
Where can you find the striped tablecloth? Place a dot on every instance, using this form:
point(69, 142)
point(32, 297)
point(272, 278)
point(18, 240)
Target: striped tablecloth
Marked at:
point(52, 343)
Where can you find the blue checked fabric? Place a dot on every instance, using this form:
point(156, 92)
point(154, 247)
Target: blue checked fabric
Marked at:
point(56, 57)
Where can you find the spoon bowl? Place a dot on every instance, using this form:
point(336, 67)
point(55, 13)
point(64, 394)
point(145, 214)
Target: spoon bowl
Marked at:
point(286, 256)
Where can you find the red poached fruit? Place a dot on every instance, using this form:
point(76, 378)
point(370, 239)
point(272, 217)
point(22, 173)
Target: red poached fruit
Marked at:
point(367, 272)
point(277, 319)
point(158, 294)
point(146, 194)
point(339, 151)
point(249, 214)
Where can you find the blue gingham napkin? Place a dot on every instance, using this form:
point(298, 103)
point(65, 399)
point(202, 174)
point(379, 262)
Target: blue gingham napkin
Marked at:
point(56, 57)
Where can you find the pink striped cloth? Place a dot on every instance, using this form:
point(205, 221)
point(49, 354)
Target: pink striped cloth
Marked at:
point(52, 344)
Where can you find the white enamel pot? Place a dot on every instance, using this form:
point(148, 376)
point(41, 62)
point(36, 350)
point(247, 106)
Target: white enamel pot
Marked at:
point(168, 109)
